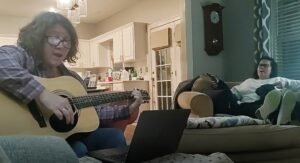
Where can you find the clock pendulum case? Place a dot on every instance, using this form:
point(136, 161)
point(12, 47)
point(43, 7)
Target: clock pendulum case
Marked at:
point(213, 31)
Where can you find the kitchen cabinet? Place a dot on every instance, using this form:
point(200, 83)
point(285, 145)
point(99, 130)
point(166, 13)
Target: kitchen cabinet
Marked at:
point(117, 47)
point(118, 86)
point(128, 85)
point(101, 51)
point(94, 51)
point(83, 55)
point(130, 42)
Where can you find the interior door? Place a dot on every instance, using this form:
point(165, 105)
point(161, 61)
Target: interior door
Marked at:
point(165, 63)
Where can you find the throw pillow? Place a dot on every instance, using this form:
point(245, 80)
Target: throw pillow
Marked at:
point(204, 82)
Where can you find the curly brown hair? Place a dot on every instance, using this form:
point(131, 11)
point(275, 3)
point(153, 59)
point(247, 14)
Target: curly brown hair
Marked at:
point(31, 36)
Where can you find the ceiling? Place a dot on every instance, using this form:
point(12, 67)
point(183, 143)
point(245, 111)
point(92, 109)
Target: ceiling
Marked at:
point(97, 9)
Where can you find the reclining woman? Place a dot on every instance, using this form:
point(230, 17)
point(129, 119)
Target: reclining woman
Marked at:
point(255, 97)
point(260, 96)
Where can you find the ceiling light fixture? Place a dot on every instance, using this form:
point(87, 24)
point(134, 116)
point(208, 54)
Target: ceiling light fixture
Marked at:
point(74, 15)
point(64, 4)
point(75, 9)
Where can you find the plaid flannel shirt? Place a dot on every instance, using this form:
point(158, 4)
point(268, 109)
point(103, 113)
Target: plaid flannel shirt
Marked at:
point(16, 77)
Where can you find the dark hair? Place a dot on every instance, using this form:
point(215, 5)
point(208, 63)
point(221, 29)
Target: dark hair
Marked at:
point(31, 37)
point(273, 66)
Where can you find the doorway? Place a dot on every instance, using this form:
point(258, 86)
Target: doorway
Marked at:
point(165, 63)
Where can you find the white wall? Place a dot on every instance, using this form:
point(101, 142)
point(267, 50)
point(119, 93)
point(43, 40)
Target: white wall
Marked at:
point(238, 39)
point(236, 61)
point(86, 30)
point(147, 11)
point(11, 25)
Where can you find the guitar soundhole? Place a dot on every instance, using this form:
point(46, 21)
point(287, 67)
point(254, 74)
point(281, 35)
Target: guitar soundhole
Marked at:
point(61, 125)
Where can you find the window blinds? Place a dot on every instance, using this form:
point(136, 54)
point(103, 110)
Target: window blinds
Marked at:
point(287, 43)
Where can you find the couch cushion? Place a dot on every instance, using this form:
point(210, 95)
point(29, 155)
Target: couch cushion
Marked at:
point(31, 149)
point(3, 156)
point(290, 155)
point(189, 158)
point(240, 139)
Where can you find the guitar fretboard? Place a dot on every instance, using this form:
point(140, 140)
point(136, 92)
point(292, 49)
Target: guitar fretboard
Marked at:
point(86, 101)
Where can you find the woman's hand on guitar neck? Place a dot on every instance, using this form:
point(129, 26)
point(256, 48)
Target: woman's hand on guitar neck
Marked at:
point(138, 100)
point(58, 105)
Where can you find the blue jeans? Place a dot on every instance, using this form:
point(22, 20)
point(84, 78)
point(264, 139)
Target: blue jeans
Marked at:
point(101, 138)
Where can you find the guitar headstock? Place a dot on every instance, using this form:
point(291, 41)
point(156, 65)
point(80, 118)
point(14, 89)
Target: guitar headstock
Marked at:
point(145, 95)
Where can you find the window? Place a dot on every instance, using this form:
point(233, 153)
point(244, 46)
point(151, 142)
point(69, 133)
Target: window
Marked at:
point(163, 78)
point(286, 37)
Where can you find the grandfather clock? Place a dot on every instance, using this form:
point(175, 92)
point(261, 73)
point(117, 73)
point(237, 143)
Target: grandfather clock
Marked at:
point(213, 31)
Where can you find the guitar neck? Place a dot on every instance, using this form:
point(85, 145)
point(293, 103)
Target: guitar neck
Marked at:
point(94, 100)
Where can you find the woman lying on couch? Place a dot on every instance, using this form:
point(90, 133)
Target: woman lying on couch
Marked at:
point(260, 96)
point(257, 97)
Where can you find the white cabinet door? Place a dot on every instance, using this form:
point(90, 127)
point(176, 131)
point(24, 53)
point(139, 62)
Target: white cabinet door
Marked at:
point(101, 51)
point(104, 55)
point(134, 42)
point(8, 41)
point(128, 42)
point(94, 53)
point(83, 55)
point(117, 47)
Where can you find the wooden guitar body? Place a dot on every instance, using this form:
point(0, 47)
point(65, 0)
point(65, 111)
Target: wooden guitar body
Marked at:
point(17, 119)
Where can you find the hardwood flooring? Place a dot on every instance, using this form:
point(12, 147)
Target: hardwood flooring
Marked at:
point(129, 132)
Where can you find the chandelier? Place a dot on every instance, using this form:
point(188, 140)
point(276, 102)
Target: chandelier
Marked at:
point(75, 9)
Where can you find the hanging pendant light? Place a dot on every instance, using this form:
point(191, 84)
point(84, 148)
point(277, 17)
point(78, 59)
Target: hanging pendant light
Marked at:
point(65, 4)
point(75, 9)
point(74, 15)
point(83, 7)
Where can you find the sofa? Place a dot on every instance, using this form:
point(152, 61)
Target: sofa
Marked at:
point(251, 143)
point(37, 149)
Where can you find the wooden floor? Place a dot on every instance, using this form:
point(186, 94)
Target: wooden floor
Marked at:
point(129, 132)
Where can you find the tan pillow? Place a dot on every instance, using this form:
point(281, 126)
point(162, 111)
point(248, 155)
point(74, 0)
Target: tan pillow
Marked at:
point(205, 82)
point(202, 84)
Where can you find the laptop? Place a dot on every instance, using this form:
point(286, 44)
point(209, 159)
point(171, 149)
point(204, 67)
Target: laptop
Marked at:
point(157, 134)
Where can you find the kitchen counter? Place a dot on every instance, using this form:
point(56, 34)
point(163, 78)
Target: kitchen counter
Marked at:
point(120, 81)
point(124, 85)
point(135, 80)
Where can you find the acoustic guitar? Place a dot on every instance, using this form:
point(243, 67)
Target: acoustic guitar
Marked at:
point(17, 118)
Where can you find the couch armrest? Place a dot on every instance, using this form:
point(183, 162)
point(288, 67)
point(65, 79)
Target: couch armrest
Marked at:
point(200, 104)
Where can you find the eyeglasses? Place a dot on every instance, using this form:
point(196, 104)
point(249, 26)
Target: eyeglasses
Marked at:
point(55, 41)
point(264, 65)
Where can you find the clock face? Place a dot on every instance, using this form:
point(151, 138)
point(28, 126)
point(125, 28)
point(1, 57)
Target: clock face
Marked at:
point(214, 17)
